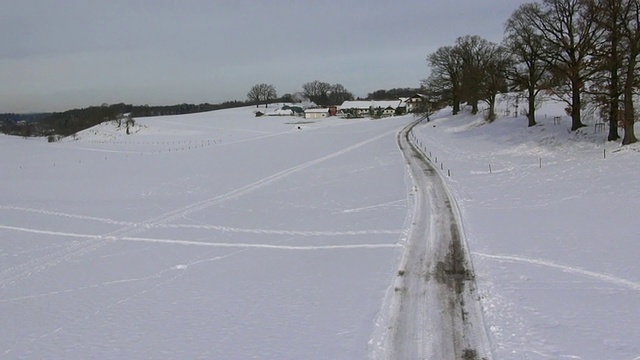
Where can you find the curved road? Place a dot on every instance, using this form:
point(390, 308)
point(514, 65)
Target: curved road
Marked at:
point(435, 309)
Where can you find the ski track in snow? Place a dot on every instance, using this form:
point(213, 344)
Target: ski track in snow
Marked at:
point(157, 275)
point(199, 243)
point(568, 269)
point(146, 226)
point(137, 294)
point(390, 203)
point(94, 242)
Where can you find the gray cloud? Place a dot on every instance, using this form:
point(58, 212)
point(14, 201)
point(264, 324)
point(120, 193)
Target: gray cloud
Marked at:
point(71, 53)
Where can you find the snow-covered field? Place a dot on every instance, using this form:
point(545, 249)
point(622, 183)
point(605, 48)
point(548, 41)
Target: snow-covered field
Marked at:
point(553, 229)
point(221, 235)
point(215, 235)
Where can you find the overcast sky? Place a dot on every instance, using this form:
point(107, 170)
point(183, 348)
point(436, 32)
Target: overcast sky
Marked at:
point(63, 54)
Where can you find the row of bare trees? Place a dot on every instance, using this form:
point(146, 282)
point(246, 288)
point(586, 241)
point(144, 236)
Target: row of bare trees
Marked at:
point(472, 70)
point(575, 50)
point(262, 94)
point(321, 93)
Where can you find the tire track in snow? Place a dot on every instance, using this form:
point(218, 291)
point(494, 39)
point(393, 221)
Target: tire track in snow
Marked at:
point(221, 228)
point(67, 215)
point(198, 243)
point(568, 269)
point(25, 270)
point(434, 310)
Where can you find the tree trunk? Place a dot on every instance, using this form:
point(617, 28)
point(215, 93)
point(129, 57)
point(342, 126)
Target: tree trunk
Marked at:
point(629, 113)
point(613, 120)
point(614, 90)
point(531, 114)
point(456, 104)
point(474, 107)
point(629, 118)
point(492, 109)
point(576, 104)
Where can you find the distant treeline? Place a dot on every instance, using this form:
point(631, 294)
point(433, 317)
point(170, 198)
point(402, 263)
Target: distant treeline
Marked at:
point(23, 117)
point(392, 94)
point(71, 121)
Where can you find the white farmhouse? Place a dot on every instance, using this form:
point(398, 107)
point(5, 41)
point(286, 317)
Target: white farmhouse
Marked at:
point(415, 102)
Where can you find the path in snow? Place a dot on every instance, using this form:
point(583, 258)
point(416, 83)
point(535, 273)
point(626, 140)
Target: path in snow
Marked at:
point(565, 268)
point(435, 310)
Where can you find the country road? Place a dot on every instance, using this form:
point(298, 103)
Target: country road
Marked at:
point(435, 310)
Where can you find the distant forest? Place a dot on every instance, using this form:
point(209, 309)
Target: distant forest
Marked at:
point(71, 121)
point(392, 94)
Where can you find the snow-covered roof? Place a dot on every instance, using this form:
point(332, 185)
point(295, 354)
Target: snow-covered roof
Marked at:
point(367, 104)
point(386, 104)
point(417, 96)
point(321, 110)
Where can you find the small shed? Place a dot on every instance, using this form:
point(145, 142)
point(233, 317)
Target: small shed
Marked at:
point(316, 113)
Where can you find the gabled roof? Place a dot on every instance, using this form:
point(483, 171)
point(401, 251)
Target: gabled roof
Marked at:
point(417, 96)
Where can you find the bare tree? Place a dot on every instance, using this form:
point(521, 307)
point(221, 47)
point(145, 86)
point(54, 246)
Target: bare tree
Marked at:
point(317, 91)
point(605, 87)
point(615, 62)
point(262, 93)
point(484, 66)
point(270, 95)
point(446, 76)
point(339, 94)
point(570, 34)
point(471, 49)
point(118, 120)
point(438, 90)
point(630, 38)
point(130, 122)
point(494, 65)
point(255, 94)
point(529, 72)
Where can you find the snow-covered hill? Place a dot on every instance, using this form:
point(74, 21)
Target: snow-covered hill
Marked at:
point(215, 235)
point(551, 219)
point(222, 235)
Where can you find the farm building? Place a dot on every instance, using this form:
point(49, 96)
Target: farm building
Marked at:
point(381, 108)
point(319, 113)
